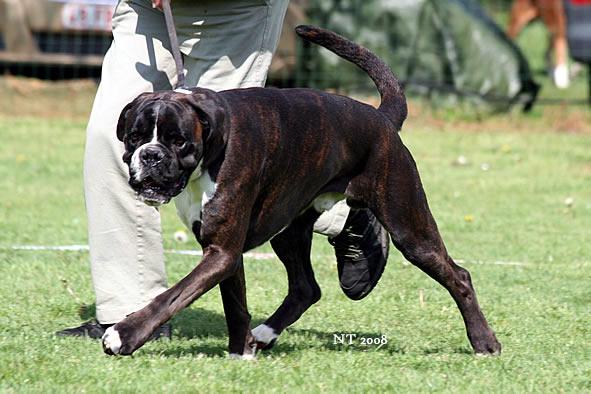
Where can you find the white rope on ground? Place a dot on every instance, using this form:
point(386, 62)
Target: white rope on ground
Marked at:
point(252, 255)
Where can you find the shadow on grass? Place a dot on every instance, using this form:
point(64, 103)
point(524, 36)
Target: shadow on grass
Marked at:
point(197, 350)
point(325, 341)
point(311, 338)
point(199, 324)
point(443, 350)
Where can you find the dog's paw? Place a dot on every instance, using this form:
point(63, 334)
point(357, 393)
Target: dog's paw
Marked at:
point(487, 346)
point(122, 339)
point(111, 341)
point(265, 337)
point(244, 357)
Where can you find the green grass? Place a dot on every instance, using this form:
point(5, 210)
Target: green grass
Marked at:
point(540, 307)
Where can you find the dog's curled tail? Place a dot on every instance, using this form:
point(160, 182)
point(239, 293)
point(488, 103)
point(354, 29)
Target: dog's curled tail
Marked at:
point(393, 103)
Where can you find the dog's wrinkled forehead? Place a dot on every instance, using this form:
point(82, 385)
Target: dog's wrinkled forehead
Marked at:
point(144, 118)
point(159, 119)
point(192, 111)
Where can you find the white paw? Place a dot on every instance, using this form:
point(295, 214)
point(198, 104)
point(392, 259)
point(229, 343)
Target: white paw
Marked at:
point(264, 334)
point(111, 340)
point(245, 357)
point(561, 77)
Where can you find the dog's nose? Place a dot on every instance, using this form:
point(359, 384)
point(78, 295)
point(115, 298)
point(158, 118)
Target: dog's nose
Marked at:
point(151, 155)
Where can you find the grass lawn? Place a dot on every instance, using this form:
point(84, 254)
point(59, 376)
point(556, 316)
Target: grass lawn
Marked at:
point(528, 252)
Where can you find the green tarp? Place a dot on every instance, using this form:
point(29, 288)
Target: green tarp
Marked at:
point(444, 48)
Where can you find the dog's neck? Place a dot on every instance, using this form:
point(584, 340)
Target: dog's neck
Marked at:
point(214, 146)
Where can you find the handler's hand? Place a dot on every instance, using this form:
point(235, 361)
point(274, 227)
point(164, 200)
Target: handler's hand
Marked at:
point(157, 4)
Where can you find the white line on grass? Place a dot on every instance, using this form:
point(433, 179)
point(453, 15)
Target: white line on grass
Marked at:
point(513, 263)
point(252, 255)
point(84, 248)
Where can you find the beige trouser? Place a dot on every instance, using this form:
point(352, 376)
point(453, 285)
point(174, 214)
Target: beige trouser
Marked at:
point(226, 44)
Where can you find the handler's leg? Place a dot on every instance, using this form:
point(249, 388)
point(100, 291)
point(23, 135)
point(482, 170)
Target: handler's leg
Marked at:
point(126, 256)
point(127, 260)
point(228, 44)
point(234, 51)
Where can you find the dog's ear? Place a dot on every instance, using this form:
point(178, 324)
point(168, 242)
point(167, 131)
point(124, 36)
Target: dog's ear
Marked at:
point(121, 123)
point(209, 108)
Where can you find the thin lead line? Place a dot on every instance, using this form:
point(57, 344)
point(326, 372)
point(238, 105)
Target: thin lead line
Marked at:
point(174, 44)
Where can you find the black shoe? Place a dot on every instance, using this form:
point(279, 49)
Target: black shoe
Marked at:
point(94, 329)
point(90, 329)
point(361, 250)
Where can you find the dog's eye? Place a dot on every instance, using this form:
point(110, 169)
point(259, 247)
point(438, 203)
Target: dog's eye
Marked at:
point(179, 141)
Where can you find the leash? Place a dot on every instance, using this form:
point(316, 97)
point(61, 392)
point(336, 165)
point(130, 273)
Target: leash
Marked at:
point(174, 44)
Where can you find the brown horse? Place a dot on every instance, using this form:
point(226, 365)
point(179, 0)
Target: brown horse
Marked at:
point(551, 13)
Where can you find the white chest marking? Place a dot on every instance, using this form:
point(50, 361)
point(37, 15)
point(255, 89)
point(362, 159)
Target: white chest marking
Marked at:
point(190, 203)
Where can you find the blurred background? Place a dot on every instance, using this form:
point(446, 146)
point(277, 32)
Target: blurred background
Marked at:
point(489, 55)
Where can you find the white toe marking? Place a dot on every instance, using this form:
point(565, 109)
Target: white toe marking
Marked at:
point(246, 357)
point(264, 334)
point(111, 340)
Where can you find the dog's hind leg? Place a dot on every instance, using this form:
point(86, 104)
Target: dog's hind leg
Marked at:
point(292, 246)
point(241, 342)
point(401, 206)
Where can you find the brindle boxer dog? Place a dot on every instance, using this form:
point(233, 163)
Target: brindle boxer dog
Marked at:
point(265, 162)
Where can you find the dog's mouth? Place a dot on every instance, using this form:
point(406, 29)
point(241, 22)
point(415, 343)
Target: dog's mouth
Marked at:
point(154, 193)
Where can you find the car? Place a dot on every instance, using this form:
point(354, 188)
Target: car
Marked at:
point(54, 39)
point(63, 39)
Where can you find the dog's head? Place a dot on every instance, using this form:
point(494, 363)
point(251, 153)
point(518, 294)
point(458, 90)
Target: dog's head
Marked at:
point(165, 134)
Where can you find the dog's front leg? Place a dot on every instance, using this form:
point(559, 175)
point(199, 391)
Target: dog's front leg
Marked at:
point(128, 335)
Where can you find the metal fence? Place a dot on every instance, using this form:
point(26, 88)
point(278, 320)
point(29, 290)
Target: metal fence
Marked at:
point(66, 39)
